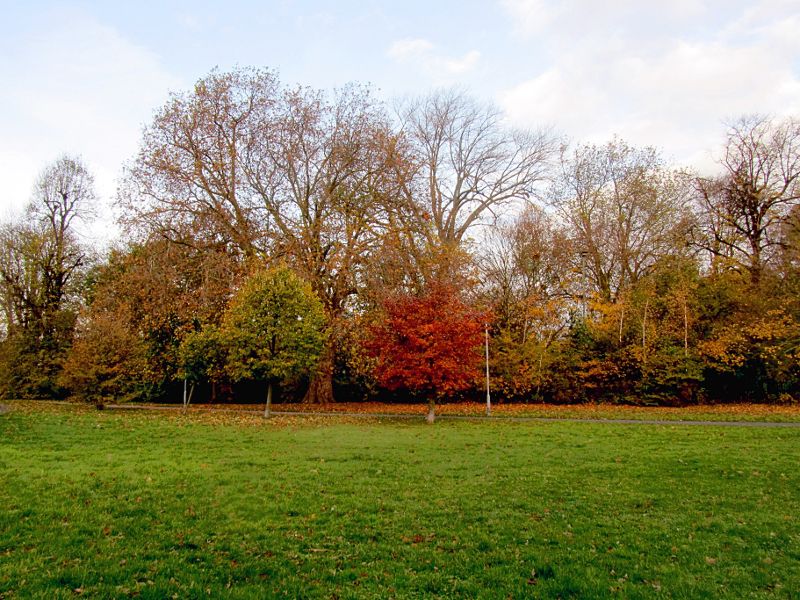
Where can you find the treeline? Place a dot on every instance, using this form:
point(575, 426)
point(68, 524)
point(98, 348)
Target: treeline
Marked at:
point(596, 272)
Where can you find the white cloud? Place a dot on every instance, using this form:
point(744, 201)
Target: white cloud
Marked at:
point(422, 54)
point(551, 99)
point(530, 16)
point(403, 50)
point(537, 17)
point(191, 21)
point(661, 86)
point(456, 66)
point(78, 87)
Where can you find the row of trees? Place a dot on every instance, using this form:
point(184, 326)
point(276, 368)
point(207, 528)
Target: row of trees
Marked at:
point(601, 271)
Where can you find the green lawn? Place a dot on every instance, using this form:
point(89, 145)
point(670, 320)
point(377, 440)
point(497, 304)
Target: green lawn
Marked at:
point(104, 504)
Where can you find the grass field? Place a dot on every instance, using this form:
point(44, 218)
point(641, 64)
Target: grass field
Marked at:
point(156, 505)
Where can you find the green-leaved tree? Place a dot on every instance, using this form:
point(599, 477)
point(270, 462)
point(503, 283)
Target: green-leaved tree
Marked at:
point(202, 355)
point(274, 329)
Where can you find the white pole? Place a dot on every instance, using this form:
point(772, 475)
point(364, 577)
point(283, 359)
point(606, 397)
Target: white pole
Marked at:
point(488, 396)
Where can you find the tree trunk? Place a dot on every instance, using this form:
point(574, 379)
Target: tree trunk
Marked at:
point(685, 329)
point(268, 407)
point(187, 398)
point(644, 332)
point(431, 417)
point(320, 390)
point(755, 260)
point(539, 374)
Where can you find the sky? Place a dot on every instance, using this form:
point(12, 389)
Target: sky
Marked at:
point(84, 78)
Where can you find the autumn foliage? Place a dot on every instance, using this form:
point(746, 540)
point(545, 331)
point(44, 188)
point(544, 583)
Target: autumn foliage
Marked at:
point(428, 344)
point(611, 275)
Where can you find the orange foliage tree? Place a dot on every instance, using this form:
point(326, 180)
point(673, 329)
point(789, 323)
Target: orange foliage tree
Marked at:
point(427, 344)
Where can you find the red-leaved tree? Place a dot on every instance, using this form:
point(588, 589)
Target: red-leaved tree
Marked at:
point(428, 344)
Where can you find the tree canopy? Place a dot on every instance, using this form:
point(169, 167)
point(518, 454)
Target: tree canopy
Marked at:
point(609, 273)
point(273, 329)
point(428, 344)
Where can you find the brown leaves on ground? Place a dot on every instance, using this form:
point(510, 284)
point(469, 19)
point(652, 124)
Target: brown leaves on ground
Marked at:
point(580, 411)
point(315, 414)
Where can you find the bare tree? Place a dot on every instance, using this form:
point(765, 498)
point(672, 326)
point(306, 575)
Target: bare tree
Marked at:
point(625, 209)
point(527, 278)
point(470, 162)
point(63, 192)
point(743, 211)
point(41, 254)
point(40, 258)
point(526, 266)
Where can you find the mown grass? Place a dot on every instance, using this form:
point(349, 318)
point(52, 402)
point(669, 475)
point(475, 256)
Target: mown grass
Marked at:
point(104, 504)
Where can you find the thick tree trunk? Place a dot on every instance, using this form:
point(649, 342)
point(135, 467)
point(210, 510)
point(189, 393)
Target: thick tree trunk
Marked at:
point(320, 391)
point(755, 267)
